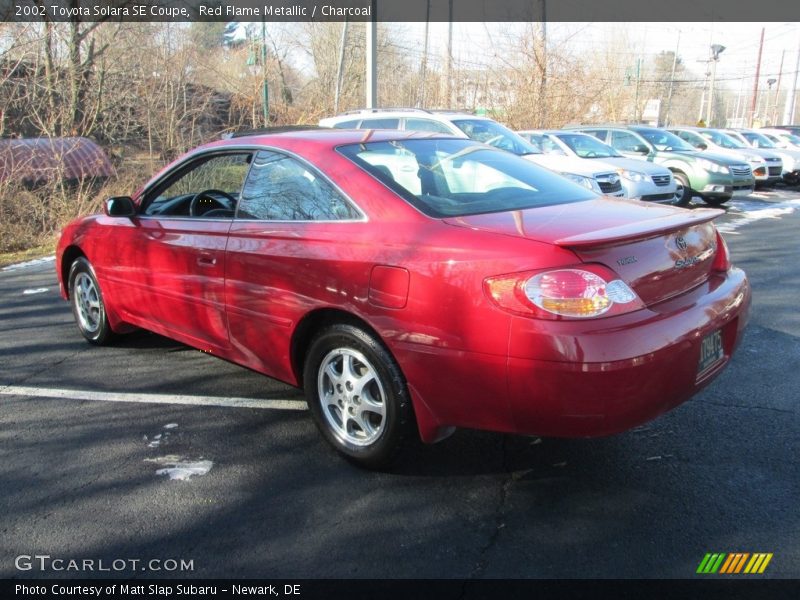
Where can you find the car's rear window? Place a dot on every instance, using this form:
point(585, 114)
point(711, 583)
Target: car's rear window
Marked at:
point(455, 177)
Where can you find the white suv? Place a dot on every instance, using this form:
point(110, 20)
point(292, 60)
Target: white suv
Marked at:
point(481, 129)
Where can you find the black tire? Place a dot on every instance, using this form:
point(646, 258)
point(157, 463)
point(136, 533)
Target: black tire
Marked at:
point(686, 196)
point(87, 303)
point(714, 201)
point(365, 437)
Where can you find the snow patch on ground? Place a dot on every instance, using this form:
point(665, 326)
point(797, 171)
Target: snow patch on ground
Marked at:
point(179, 468)
point(757, 213)
point(30, 263)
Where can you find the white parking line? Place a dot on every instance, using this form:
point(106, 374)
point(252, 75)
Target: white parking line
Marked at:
point(14, 390)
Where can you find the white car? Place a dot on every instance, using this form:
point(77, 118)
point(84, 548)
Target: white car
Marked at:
point(482, 129)
point(640, 180)
point(754, 139)
point(782, 138)
point(767, 166)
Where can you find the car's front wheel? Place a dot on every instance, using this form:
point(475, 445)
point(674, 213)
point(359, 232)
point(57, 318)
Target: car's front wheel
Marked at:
point(87, 303)
point(357, 395)
point(683, 193)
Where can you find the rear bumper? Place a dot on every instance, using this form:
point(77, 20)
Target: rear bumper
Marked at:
point(629, 372)
point(579, 378)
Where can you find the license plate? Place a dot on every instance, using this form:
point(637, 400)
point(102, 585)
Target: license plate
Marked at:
point(710, 351)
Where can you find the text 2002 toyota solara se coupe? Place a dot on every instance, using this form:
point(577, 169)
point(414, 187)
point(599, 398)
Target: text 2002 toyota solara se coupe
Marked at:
point(414, 282)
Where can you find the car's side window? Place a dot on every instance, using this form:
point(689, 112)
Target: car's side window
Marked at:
point(600, 134)
point(380, 124)
point(624, 141)
point(425, 125)
point(549, 146)
point(353, 124)
point(281, 188)
point(207, 187)
point(692, 138)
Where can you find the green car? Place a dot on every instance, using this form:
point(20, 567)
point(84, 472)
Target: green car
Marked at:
point(713, 177)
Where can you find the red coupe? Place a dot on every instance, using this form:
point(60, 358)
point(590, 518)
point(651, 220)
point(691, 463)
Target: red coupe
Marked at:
point(414, 283)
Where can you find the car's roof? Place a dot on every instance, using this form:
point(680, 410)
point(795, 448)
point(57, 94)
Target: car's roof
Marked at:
point(549, 131)
point(326, 137)
point(384, 113)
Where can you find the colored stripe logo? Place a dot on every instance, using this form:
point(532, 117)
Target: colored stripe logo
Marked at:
point(734, 563)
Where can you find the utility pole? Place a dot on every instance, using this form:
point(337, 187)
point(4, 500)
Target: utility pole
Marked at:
point(372, 58)
point(755, 83)
point(543, 83)
point(672, 80)
point(638, 81)
point(788, 109)
point(448, 90)
point(777, 91)
point(264, 88)
point(340, 68)
point(424, 66)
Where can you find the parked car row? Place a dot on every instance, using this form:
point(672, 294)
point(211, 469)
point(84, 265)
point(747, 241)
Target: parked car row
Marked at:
point(632, 161)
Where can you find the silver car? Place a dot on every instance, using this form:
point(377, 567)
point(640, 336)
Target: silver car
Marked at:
point(754, 139)
point(640, 180)
point(766, 165)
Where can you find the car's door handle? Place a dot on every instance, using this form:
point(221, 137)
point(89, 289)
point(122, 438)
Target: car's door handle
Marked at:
point(206, 261)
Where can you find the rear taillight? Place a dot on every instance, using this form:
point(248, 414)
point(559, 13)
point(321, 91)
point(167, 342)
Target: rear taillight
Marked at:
point(579, 292)
point(722, 258)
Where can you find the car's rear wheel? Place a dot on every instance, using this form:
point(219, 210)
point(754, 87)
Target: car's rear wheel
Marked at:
point(357, 395)
point(87, 303)
point(683, 193)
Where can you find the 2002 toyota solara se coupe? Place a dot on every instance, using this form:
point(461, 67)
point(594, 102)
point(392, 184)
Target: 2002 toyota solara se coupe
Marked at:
point(411, 283)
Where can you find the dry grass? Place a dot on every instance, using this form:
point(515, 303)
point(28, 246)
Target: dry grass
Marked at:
point(31, 217)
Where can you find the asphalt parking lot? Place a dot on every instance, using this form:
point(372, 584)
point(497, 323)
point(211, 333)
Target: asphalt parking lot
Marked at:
point(257, 493)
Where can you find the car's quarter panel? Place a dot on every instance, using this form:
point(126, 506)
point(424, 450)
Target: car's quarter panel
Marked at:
point(449, 340)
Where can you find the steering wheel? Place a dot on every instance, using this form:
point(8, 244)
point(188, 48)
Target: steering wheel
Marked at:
point(214, 202)
point(590, 154)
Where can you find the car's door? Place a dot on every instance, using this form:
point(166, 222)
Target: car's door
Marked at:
point(170, 265)
point(291, 247)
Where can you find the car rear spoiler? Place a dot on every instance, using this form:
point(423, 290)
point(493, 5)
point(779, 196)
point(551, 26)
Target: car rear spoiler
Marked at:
point(641, 229)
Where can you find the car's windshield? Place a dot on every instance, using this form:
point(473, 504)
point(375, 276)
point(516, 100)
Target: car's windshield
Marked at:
point(587, 146)
point(722, 140)
point(492, 133)
point(791, 138)
point(664, 140)
point(454, 177)
point(758, 140)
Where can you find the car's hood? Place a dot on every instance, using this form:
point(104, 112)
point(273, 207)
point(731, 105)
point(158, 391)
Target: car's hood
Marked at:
point(762, 152)
point(570, 164)
point(620, 162)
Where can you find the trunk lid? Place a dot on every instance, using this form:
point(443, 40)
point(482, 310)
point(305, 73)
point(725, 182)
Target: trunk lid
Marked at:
point(659, 251)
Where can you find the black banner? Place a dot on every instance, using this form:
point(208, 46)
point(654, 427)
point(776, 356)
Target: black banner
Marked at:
point(400, 10)
point(365, 589)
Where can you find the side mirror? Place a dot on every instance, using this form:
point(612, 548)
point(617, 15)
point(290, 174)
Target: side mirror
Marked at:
point(701, 146)
point(120, 206)
point(641, 149)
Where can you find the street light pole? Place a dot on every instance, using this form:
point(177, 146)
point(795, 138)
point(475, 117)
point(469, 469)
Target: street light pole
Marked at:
point(716, 50)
